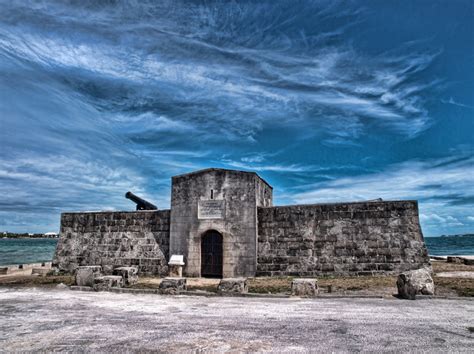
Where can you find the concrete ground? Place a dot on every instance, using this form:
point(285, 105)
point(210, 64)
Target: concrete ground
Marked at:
point(63, 320)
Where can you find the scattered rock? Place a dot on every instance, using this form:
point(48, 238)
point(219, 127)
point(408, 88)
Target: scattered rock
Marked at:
point(469, 261)
point(108, 281)
point(173, 285)
point(85, 275)
point(62, 286)
point(415, 282)
point(233, 285)
point(129, 275)
point(304, 287)
point(3, 270)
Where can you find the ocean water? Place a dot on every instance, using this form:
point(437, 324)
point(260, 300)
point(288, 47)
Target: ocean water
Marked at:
point(451, 245)
point(19, 251)
point(26, 250)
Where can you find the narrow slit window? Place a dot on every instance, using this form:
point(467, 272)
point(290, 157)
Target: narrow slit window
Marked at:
point(212, 193)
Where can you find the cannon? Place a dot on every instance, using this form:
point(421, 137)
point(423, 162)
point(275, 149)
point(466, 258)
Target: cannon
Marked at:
point(142, 204)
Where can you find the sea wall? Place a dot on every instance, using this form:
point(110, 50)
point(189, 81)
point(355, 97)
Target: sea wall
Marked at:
point(347, 238)
point(113, 239)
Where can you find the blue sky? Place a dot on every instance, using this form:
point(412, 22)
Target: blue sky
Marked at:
point(328, 101)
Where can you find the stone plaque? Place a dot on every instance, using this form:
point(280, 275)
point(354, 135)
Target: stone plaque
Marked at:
point(211, 209)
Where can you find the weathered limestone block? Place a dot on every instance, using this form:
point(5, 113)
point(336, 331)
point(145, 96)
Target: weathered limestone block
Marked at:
point(107, 269)
point(85, 275)
point(469, 261)
point(108, 281)
point(173, 285)
point(233, 285)
point(129, 275)
point(415, 282)
point(304, 287)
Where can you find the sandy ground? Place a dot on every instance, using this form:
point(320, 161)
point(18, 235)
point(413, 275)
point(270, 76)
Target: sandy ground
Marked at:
point(64, 320)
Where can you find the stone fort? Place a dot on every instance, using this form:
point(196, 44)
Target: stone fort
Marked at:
point(225, 225)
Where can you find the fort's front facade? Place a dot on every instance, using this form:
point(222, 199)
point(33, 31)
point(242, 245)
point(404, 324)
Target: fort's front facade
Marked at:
point(224, 224)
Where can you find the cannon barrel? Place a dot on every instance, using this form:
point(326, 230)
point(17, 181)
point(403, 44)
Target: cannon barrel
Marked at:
point(142, 204)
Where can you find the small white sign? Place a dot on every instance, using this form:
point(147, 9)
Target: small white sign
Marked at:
point(211, 209)
point(176, 260)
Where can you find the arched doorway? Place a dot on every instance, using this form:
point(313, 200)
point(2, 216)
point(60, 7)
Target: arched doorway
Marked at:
point(211, 255)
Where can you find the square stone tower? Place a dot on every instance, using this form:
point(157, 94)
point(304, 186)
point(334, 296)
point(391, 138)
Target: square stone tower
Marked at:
point(213, 221)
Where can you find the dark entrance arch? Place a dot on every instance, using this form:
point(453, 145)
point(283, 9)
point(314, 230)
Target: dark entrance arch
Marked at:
point(211, 255)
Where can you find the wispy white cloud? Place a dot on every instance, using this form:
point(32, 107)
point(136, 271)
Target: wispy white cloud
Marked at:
point(243, 87)
point(453, 102)
point(274, 168)
point(444, 187)
point(444, 221)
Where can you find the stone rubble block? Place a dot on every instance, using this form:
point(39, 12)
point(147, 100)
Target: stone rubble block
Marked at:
point(453, 259)
point(233, 285)
point(107, 282)
point(469, 261)
point(85, 275)
point(173, 286)
point(129, 275)
point(304, 287)
point(415, 282)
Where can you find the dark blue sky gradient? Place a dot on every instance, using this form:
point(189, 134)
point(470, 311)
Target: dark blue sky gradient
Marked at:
point(327, 101)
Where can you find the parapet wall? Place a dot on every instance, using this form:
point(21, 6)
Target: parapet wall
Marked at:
point(350, 238)
point(114, 239)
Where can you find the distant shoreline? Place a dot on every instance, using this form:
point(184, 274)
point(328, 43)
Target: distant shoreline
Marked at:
point(26, 237)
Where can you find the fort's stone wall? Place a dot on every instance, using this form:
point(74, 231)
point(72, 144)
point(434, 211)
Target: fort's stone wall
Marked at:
point(113, 239)
point(257, 238)
point(350, 238)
